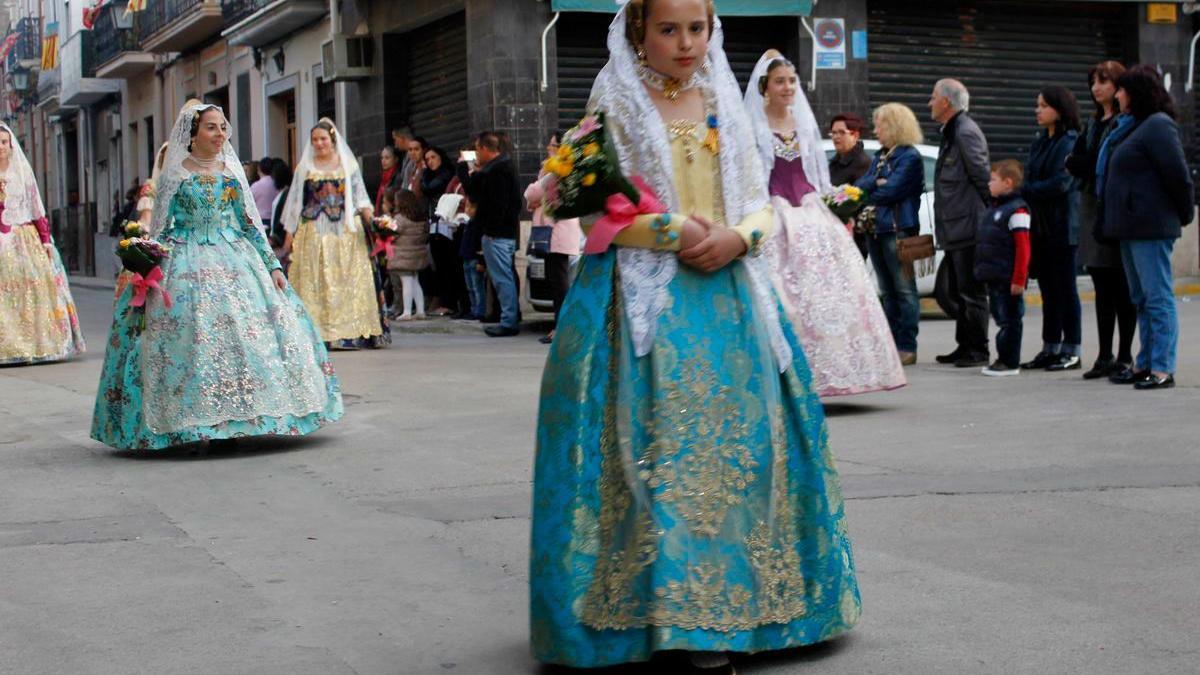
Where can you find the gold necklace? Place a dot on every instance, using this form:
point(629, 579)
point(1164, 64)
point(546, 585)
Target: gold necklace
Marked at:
point(669, 86)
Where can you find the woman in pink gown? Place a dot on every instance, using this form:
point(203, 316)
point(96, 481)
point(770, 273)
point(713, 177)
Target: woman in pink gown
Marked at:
point(815, 265)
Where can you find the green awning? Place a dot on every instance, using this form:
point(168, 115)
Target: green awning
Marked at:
point(724, 7)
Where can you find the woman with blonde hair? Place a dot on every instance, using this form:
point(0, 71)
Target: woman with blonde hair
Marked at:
point(894, 184)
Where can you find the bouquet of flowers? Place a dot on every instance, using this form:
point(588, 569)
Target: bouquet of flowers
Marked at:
point(142, 256)
point(584, 178)
point(383, 231)
point(845, 202)
point(864, 221)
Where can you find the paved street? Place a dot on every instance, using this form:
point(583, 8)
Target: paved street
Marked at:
point(1036, 524)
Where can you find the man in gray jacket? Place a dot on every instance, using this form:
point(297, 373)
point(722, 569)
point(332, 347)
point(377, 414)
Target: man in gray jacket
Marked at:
point(960, 200)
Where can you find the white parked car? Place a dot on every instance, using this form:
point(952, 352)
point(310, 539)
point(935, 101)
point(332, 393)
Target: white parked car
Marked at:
point(929, 153)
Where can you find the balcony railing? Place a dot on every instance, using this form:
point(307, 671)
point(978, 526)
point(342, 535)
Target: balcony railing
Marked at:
point(111, 41)
point(29, 45)
point(236, 10)
point(159, 13)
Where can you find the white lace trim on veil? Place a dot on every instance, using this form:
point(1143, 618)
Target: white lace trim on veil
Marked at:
point(644, 150)
point(174, 173)
point(808, 133)
point(356, 196)
point(23, 205)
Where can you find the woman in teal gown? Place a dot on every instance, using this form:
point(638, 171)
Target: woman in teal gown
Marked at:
point(685, 497)
point(235, 354)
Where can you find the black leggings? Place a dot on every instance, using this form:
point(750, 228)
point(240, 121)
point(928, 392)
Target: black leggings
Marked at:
point(558, 273)
point(1061, 323)
point(1114, 308)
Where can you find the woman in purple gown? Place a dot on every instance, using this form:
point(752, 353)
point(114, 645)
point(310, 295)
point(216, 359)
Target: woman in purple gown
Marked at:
point(815, 265)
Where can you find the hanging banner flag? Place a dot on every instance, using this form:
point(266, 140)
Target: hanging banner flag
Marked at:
point(9, 43)
point(89, 14)
point(50, 47)
point(135, 6)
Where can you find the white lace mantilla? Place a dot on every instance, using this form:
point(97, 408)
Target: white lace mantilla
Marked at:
point(644, 150)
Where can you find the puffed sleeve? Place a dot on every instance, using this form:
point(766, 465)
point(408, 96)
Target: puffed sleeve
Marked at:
point(254, 234)
point(358, 190)
point(755, 228)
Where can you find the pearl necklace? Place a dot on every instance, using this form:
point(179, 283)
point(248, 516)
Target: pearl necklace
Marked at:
point(669, 86)
point(214, 163)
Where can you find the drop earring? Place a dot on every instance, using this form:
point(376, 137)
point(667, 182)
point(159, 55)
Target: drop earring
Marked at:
point(641, 55)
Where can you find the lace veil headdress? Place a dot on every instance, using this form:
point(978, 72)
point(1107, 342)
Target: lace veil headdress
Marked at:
point(295, 198)
point(644, 150)
point(174, 174)
point(808, 133)
point(22, 200)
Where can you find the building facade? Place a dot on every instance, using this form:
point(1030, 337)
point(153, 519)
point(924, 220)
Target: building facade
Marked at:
point(447, 69)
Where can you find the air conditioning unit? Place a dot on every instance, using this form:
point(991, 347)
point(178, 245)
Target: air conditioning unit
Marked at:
point(347, 57)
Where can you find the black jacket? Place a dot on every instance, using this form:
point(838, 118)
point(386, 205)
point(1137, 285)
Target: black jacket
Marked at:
point(433, 186)
point(1051, 191)
point(960, 183)
point(1147, 185)
point(848, 168)
point(496, 193)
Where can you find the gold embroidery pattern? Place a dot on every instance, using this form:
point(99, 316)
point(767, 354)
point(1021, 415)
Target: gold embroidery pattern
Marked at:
point(702, 481)
point(610, 601)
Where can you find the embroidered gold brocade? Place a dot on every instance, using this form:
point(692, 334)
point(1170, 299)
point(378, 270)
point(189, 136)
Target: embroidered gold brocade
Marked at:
point(701, 484)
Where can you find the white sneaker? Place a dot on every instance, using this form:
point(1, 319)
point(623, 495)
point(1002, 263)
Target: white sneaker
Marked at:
point(999, 369)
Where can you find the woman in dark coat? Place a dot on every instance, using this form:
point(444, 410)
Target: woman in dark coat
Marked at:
point(1146, 196)
point(1102, 260)
point(448, 281)
point(1054, 200)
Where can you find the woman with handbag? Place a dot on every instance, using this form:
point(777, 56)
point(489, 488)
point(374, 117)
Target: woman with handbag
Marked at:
point(894, 185)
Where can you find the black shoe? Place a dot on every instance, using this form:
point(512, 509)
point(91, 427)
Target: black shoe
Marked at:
point(972, 360)
point(1103, 367)
point(953, 356)
point(1040, 361)
point(500, 331)
point(1156, 382)
point(546, 339)
point(1129, 376)
point(1065, 362)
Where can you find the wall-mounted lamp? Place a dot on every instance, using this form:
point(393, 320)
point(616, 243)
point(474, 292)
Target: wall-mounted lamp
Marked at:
point(279, 62)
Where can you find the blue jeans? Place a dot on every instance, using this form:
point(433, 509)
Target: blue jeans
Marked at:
point(476, 288)
point(499, 256)
point(901, 304)
point(1148, 269)
point(1007, 311)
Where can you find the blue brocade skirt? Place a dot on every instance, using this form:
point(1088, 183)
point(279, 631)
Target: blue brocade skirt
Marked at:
point(234, 356)
point(686, 499)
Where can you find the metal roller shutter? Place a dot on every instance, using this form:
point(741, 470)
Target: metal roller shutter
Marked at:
point(582, 51)
point(1004, 52)
point(436, 86)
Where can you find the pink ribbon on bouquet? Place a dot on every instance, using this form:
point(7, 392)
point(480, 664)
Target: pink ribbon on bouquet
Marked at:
point(385, 246)
point(619, 213)
point(143, 284)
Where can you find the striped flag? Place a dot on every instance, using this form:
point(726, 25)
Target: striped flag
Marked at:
point(9, 43)
point(50, 47)
point(135, 6)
